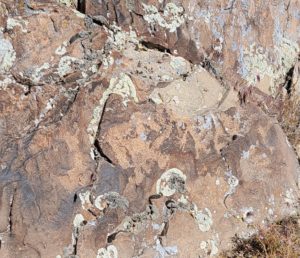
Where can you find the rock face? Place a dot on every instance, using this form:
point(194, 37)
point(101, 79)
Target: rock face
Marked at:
point(238, 38)
point(144, 128)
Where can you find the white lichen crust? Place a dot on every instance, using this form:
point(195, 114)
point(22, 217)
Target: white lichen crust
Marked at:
point(12, 22)
point(256, 63)
point(203, 218)
point(121, 85)
point(170, 182)
point(7, 55)
point(109, 252)
point(78, 219)
point(171, 19)
point(65, 65)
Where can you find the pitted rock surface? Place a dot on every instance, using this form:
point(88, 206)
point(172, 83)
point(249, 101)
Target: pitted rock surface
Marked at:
point(144, 128)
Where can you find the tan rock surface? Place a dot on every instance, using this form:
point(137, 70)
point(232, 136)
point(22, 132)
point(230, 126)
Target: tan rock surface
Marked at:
point(112, 144)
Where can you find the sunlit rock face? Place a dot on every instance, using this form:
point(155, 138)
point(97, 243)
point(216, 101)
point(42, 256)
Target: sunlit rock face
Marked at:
point(144, 128)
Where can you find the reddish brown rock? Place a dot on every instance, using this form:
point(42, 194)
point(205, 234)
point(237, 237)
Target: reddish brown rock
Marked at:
point(235, 38)
point(227, 159)
point(111, 144)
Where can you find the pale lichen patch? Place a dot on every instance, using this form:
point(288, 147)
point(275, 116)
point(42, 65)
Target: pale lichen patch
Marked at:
point(165, 251)
point(256, 63)
point(38, 74)
point(85, 199)
point(289, 197)
point(65, 65)
point(233, 182)
point(61, 50)
point(204, 14)
point(110, 252)
point(170, 182)
point(12, 22)
point(49, 106)
point(245, 154)
point(172, 18)
point(203, 218)
point(173, 181)
point(112, 200)
point(4, 83)
point(117, 39)
point(247, 214)
point(100, 203)
point(7, 55)
point(203, 245)
point(208, 122)
point(136, 223)
point(78, 220)
point(121, 85)
point(210, 247)
point(183, 199)
point(180, 65)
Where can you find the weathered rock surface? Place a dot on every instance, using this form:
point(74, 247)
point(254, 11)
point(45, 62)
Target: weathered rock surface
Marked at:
point(122, 133)
point(239, 39)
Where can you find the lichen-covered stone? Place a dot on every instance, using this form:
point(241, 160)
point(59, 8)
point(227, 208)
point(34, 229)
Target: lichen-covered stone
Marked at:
point(132, 130)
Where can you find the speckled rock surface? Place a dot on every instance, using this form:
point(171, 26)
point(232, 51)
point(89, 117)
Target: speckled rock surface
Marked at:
point(144, 128)
point(238, 38)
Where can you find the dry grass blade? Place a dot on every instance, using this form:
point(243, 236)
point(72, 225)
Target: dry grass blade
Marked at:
point(279, 240)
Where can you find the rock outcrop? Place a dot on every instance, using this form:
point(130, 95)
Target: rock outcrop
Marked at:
point(145, 128)
point(250, 41)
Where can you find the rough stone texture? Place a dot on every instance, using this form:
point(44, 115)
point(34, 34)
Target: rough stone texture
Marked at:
point(119, 141)
point(238, 38)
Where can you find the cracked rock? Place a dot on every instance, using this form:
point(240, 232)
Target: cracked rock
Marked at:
point(145, 129)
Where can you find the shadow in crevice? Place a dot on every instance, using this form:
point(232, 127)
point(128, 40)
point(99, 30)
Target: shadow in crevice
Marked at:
point(81, 6)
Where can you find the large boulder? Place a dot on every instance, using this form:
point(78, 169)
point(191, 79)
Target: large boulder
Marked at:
point(113, 145)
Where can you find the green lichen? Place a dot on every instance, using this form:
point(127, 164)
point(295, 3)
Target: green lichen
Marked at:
point(258, 64)
point(118, 38)
point(171, 19)
point(65, 65)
